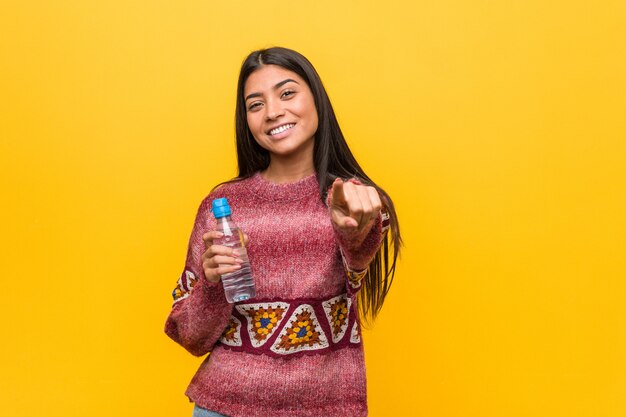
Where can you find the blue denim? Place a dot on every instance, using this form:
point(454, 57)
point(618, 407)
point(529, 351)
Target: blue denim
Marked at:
point(203, 412)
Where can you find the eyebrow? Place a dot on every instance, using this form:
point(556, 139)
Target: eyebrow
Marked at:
point(276, 87)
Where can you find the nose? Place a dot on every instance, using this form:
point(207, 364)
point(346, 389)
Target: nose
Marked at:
point(274, 109)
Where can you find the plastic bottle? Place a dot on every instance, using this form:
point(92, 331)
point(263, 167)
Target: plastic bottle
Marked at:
point(238, 285)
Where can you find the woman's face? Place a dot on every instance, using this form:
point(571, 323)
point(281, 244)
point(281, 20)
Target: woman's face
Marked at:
point(281, 112)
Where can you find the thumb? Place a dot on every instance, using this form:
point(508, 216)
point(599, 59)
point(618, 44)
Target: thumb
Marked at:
point(345, 222)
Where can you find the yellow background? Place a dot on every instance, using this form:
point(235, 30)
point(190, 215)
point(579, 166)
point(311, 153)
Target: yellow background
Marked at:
point(498, 127)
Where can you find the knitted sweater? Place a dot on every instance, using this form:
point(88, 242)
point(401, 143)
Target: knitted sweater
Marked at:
point(295, 349)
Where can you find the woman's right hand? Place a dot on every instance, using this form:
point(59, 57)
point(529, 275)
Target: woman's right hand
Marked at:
point(218, 260)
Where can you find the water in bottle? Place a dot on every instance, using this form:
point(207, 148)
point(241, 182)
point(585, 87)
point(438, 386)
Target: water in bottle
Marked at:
point(238, 285)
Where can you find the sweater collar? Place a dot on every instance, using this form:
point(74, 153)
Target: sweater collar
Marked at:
point(290, 191)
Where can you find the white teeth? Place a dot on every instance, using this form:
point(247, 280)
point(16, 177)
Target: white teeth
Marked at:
point(281, 129)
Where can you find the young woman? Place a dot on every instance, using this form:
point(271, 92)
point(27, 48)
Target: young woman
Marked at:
point(323, 243)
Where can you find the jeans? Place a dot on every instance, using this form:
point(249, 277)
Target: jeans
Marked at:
point(203, 412)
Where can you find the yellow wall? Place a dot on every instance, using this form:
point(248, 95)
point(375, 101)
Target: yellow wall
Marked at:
point(498, 127)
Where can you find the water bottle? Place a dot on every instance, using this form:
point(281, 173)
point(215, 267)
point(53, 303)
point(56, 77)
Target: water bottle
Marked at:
point(238, 285)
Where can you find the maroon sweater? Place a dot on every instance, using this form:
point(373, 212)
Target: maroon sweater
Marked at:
point(295, 349)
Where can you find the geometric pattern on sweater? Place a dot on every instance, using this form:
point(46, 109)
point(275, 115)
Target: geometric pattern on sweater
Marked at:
point(336, 310)
point(232, 334)
point(263, 320)
point(291, 328)
point(184, 286)
point(355, 336)
point(355, 278)
point(385, 221)
point(302, 332)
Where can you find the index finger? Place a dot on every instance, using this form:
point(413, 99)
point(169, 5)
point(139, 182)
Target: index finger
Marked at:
point(209, 236)
point(338, 196)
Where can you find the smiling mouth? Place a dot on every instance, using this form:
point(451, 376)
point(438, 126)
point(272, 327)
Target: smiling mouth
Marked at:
point(281, 129)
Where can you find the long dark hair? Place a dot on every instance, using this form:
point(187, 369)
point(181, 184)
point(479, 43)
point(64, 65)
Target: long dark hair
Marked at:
point(332, 158)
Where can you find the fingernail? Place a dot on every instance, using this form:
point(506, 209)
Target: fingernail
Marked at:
point(220, 234)
point(239, 261)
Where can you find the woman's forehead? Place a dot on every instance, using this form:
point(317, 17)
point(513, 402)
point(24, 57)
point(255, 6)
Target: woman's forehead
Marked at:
point(268, 77)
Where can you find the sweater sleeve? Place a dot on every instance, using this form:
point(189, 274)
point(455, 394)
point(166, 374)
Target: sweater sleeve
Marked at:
point(358, 249)
point(200, 312)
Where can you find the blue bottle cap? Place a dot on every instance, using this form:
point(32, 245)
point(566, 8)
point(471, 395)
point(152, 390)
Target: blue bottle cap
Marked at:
point(220, 208)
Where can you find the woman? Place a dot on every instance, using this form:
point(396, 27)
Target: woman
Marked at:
point(320, 235)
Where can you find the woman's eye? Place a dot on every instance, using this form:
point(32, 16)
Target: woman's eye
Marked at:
point(288, 93)
point(254, 105)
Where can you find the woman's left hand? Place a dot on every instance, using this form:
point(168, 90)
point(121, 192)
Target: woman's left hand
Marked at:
point(352, 206)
